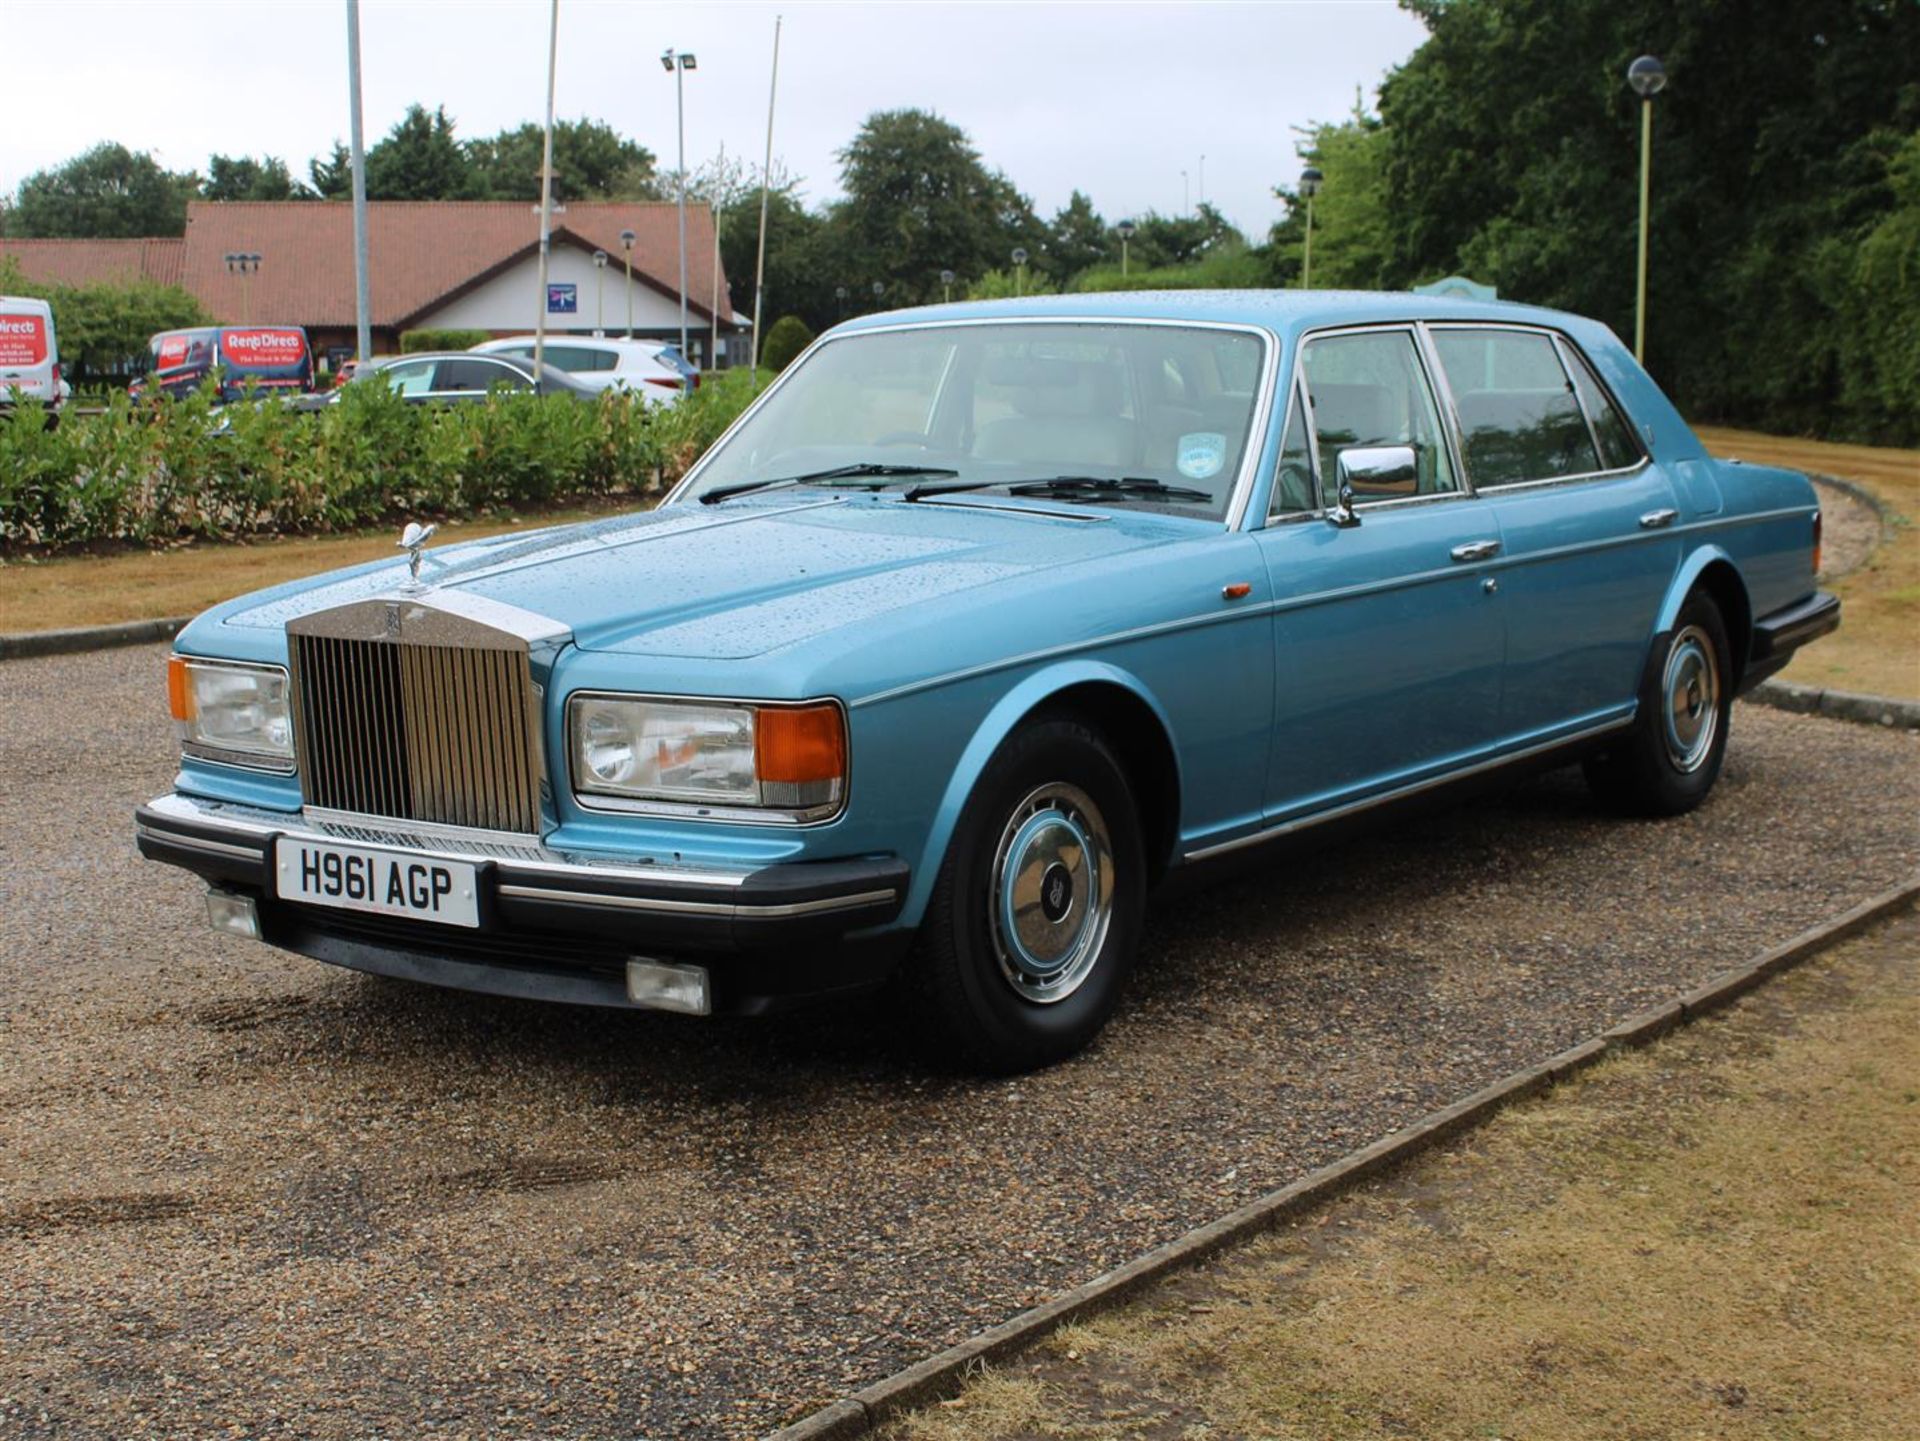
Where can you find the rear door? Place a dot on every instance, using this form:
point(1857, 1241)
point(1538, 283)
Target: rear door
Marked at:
point(1584, 519)
point(29, 360)
point(1388, 641)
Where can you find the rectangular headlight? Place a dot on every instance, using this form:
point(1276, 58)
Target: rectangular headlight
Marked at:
point(231, 711)
point(778, 762)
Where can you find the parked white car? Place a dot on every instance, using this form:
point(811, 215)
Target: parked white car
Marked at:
point(29, 352)
point(641, 366)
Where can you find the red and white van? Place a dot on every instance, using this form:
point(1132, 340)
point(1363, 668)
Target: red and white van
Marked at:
point(246, 357)
point(29, 353)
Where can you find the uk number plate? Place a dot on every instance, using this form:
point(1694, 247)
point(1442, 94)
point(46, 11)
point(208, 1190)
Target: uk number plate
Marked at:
point(387, 883)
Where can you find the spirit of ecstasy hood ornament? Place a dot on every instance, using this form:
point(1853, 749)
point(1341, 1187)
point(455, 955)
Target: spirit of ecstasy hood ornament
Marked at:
point(411, 540)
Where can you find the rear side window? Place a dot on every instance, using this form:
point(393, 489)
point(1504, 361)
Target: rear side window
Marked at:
point(1617, 447)
point(1519, 418)
point(478, 375)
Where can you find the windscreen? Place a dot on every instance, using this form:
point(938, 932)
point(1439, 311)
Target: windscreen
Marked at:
point(1165, 410)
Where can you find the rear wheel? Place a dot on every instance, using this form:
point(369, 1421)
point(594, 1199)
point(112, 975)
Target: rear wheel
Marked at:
point(1673, 754)
point(1035, 917)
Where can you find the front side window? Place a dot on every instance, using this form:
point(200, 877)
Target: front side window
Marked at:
point(479, 375)
point(1370, 390)
point(1519, 419)
point(410, 377)
point(1293, 479)
point(1148, 416)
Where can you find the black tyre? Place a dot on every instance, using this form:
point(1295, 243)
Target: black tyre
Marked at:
point(1670, 759)
point(1035, 917)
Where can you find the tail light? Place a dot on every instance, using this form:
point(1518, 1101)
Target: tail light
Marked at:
point(694, 381)
point(667, 382)
point(56, 378)
point(1817, 527)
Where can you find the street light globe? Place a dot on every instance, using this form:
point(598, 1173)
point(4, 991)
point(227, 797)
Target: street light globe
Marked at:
point(879, 288)
point(1647, 76)
point(600, 259)
point(1125, 229)
point(627, 237)
point(946, 277)
point(1310, 179)
point(1019, 255)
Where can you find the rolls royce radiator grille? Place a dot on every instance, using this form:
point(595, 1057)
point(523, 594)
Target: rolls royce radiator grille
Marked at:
point(436, 733)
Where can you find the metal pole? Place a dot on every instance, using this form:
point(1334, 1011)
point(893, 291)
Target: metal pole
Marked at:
point(1306, 259)
point(680, 102)
point(713, 310)
point(1123, 255)
point(1646, 171)
point(362, 284)
point(546, 197)
point(766, 181)
point(629, 292)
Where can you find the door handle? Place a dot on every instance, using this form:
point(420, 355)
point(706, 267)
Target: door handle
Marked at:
point(1658, 519)
point(1476, 550)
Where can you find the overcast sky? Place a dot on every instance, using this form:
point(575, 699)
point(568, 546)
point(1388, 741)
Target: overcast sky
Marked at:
point(1117, 99)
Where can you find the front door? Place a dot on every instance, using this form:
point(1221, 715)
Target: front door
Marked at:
point(1388, 633)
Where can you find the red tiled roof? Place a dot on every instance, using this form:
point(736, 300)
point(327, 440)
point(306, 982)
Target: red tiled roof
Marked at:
point(81, 262)
point(422, 254)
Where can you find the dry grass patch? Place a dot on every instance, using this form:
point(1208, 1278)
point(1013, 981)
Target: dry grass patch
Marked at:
point(64, 591)
point(1877, 648)
point(1719, 1237)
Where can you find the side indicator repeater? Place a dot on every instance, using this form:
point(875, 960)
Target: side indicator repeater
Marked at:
point(1239, 590)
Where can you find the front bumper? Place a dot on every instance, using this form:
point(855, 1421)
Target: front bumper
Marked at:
point(560, 926)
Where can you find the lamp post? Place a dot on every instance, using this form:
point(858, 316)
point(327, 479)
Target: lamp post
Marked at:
point(1019, 270)
point(1125, 230)
point(627, 237)
point(946, 285)
point(840, 301)
point(1648, 77)
point(244, 264)
point(600, 292)
point(879, 290)
point(1310, 179)
point(680, 64)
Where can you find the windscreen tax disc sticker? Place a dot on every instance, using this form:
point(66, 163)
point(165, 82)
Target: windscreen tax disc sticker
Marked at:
point(1202, 454)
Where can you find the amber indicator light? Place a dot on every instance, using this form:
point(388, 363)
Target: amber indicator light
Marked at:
point(799, 744)
point(1817, 527)
point(179, 693)
point(1237, 591)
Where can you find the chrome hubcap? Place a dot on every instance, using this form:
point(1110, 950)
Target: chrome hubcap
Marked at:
point(1052, 894)
point(1691, 692)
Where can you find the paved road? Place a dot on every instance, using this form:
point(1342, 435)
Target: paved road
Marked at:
point(243, 1190)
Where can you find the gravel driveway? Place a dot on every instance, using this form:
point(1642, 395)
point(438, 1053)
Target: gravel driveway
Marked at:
point(244, 1193)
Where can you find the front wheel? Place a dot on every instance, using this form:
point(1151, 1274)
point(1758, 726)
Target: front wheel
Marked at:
point(1035, 917)
point(1672, 756)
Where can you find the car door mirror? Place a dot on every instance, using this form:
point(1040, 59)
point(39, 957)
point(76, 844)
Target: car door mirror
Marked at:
point(1380, 470)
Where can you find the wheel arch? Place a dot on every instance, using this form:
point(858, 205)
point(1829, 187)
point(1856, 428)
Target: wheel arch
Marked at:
point(1113, 702)
point(1712, 570)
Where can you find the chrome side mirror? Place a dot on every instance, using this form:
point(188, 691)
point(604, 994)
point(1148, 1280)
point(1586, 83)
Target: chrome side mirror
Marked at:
point(1370, 468)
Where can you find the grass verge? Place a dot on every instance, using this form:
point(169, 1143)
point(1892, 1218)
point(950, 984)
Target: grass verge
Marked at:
point(1877, 648)
point(1714, 1237)
point(82, 590)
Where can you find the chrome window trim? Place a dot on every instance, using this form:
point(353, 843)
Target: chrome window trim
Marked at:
point(221, 756)
point(1558, 339)
point(704, 811)
point(1442, 403)
point(1559, 344)
point(1258, 423)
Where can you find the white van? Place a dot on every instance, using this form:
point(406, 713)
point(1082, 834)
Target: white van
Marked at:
point(29, 354)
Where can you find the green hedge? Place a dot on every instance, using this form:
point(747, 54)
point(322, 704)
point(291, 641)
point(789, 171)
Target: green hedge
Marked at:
point(412, 342)
point(172, 469)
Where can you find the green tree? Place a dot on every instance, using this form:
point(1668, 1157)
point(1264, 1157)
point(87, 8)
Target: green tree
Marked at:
point(420, 159)
point(591, 161)
point(1353, 232)
point(919, 200)
point(1513, 157)
point(104, 328)
point(244, 178)
point(788, 336)
point(1079, 238)
point(332, 177)
point(1169, 240)
point(108, 191)
point(797, 282)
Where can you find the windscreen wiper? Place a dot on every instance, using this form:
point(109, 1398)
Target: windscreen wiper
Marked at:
point(838, 472)
point(1099, 487)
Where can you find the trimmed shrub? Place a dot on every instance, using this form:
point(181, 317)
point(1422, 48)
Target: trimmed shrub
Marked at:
point(414, 341)
point(786, 340)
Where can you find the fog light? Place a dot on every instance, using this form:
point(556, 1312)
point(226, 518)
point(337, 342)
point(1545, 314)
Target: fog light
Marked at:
point(667, 987)
point(236, 915)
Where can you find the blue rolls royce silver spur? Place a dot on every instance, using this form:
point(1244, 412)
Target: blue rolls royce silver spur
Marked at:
point(982, 622)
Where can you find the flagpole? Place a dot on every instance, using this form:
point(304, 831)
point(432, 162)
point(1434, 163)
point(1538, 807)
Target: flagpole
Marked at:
point(546, 195)
point(766, 180)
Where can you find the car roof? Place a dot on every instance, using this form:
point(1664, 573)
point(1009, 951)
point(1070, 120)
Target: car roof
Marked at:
point(1281, 311)
point(613, 342)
